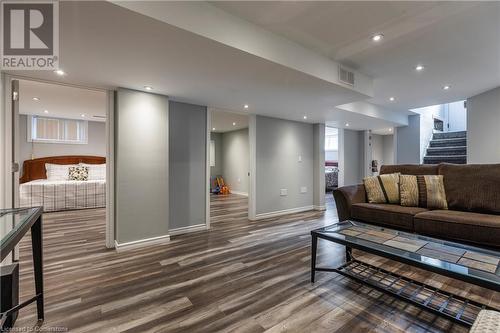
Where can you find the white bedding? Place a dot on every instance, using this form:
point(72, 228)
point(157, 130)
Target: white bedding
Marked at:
point(63, 195)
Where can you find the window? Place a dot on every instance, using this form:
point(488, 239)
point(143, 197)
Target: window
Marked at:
point(331, 139)
point(56, 130)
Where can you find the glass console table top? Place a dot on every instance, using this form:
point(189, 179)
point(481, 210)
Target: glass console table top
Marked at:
point(14, 220)
point(468, 261)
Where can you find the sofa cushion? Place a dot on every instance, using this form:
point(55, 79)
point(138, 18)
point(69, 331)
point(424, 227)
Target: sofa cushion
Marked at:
point(394, 216)
point(423, 191)
point(482, 229)
point(383, 188)
point(472, 187)
point(410, 169)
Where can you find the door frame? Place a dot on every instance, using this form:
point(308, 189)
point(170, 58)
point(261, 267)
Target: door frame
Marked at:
point(6, 197)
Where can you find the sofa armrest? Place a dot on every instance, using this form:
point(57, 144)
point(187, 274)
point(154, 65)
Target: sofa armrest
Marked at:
point(346, 196)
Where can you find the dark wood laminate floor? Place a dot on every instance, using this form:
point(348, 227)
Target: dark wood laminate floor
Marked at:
point(241, 276)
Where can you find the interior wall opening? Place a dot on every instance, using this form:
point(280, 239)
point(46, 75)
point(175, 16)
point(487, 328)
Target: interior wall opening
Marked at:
point(61, 148)
point(229, 158)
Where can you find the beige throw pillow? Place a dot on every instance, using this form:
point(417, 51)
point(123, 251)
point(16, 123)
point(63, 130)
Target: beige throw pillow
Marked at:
point(383, 188)
point(423, 191)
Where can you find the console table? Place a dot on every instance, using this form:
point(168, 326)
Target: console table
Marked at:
point(20, 220)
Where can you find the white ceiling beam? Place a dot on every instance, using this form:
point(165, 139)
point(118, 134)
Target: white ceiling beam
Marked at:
point(211, 22)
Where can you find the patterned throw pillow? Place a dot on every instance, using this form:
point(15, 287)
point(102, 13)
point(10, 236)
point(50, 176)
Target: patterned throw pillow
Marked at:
point(383, 188)
point(423, 191)
point(79, 173)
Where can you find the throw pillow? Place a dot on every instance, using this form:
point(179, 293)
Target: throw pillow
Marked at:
point(79, 173)
point(383, 188)
point(96, 171)
point(57, 172)
point(423, 191)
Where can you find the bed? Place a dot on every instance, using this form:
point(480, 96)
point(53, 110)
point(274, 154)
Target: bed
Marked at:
point(58, 195)
point(331, 175)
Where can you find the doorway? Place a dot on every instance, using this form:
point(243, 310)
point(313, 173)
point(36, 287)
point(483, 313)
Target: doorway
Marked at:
point(61, 146)
point(229, 166)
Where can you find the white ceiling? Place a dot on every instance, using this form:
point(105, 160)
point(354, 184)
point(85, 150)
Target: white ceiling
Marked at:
point(107, 46)
point(223, 120)
point(136, 50)
point(458, 42)
point(61, 101)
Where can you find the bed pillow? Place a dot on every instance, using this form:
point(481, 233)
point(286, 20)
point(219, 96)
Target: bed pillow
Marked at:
point(79, 172)
point(383, 188)
point(423, 191)
point(96, 171)
point(57, 171)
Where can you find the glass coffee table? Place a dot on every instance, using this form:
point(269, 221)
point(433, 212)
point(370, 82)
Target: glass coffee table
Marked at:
point(466, 263)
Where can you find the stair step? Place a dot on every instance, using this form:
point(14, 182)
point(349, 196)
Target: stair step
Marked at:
point(450, 135)
point(457, 159)
point(448, 142)
point(447, 151)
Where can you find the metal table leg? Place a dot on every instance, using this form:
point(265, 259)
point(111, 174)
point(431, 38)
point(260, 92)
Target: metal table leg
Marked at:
point(37, 245)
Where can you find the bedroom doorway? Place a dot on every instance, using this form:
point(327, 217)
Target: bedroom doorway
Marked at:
point(60, 142)
point(229, 155)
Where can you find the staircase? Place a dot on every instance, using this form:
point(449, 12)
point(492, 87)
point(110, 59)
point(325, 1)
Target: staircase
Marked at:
point(450, 147)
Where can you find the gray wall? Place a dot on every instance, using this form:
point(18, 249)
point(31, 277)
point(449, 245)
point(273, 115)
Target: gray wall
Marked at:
point(483, 127)
point(141, 165)
point(388, 144)
point(383, 149)
point(279, 143)
point(217, 169)
point(353, 156)
point(408, 141)
point(96, 143)
point(187, 156)
point(235, 159)
point(319, 166)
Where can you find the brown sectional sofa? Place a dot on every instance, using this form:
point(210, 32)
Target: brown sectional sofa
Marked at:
point(472, 192)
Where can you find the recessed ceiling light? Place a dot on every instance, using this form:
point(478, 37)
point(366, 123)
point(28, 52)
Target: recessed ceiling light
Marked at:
point(83, 115)
point(213, 128)
point(419, 68)
point(245, 106)
point(392, 99)
point(36, 99)
point(447, 87)
point(45, 111)
point(59, 72)
point(305, 117)
point(377, 37)
point(148, 88)
point(234, 124)
point(346, 124)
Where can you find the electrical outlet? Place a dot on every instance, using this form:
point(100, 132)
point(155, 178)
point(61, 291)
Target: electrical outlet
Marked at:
point(283, 192)
point(303, 189)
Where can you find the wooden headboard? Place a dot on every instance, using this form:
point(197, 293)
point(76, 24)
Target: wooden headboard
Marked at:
point(35, 169)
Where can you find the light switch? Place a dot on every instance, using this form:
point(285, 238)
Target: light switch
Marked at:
point(283, 192)
point(300, 158)
point(303, 189)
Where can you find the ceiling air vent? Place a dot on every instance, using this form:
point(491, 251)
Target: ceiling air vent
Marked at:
point(99, 116)
point(346, 76)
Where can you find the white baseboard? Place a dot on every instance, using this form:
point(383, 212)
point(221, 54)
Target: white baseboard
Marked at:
point(142, 243)
point(319, 207)
point(185, 230)
point(283, 212)
point(240, 193)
